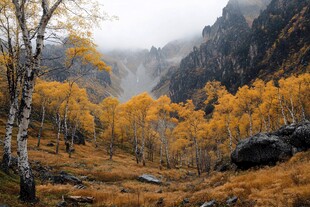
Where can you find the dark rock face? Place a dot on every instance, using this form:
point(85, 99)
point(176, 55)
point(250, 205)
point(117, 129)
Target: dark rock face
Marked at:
point(149, 179)
point(64, 178)
point(264, 149)
point(301, 137)
point(235, 53)
point(261, 149)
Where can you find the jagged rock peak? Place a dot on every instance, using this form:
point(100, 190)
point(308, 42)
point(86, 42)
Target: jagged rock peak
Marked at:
point(206, 32)
point(153, 50)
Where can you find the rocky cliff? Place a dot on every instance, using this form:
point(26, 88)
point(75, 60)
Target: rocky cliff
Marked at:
point(146, 67)
point(235, 52)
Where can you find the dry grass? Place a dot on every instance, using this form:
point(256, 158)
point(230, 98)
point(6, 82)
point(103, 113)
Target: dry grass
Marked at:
point(287, 184)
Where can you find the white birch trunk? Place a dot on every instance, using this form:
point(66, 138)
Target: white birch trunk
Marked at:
point(7, 149)
point(251, 124)
point(136, 142)
point(27, 184)
point(143, 146)
point(58, 123)
point(41, 125)
point(282, 109)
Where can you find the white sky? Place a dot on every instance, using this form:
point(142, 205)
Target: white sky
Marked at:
point(143, 23)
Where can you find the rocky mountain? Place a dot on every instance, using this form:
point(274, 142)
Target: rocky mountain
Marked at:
point(236, 51)
point(144, 68)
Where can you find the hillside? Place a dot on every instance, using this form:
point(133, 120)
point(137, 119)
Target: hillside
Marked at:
point(220, 120)
point(276, 45)
point(114, 183)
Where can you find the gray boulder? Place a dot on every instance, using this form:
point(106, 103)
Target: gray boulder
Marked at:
point(268, 148)
point(149, 179)
point(209, 204)
point(232, 200)
point(64, 178)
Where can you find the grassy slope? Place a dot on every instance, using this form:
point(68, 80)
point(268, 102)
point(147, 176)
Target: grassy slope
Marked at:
point(282, 185)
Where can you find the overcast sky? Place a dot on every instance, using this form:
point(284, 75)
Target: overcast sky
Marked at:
point(143, 23)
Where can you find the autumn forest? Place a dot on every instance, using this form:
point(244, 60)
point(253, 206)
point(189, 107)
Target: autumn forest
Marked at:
point(64, 145)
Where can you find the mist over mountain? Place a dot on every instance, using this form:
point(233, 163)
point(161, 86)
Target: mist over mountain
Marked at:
point(144, 68)
point(252, 38)
point(235, 52)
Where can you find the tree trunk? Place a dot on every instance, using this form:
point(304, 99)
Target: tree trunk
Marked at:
point(112, 141)
point(95, 137)
point(230, 137)
point(72, 140)
point(41, 126)
point(251, 123)
point(303, 113)
point(143, 146)
point(6, 161)
point(282, 109)
point(58, 122)
point(27, 184)
point(197, 156)
point(136, 142)
point(66, 127)
point(167, 153)
point(292, 110)
point(161, 154)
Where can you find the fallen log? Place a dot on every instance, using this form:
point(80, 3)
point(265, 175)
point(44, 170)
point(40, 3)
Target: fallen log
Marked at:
point(79, 199)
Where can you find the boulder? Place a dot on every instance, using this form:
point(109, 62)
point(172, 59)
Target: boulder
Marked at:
point(80, 186)
point(300, 138)
point(232, 200)
point(268, 148)
point(149, 179)
point(50, 144)
point(124, 190)
point(260, 149)
point(209, 204)
point(64, 178)
point(185, 201)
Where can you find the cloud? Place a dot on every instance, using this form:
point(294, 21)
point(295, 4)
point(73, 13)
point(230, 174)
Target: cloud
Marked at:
point(143, 23)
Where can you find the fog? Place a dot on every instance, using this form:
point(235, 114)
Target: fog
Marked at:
point(143, 23)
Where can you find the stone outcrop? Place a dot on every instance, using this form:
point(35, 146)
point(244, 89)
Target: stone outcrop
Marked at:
point(149, 179)
point(269, 148)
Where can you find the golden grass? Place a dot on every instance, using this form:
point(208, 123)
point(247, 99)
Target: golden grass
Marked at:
point(287, 184)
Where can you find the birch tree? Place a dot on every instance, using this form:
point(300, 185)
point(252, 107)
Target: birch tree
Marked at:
point(52, 15)
point(108, 116)
point(10, 52)
point(160, 114)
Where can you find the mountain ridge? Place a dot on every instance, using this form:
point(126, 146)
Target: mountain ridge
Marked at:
point(235, 53)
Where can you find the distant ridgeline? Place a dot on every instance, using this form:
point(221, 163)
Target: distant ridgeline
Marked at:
point(239, 48)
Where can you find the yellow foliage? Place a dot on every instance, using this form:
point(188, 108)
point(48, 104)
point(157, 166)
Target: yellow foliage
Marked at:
point(85, 50)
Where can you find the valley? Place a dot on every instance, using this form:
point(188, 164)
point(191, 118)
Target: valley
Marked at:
point(215, 119)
